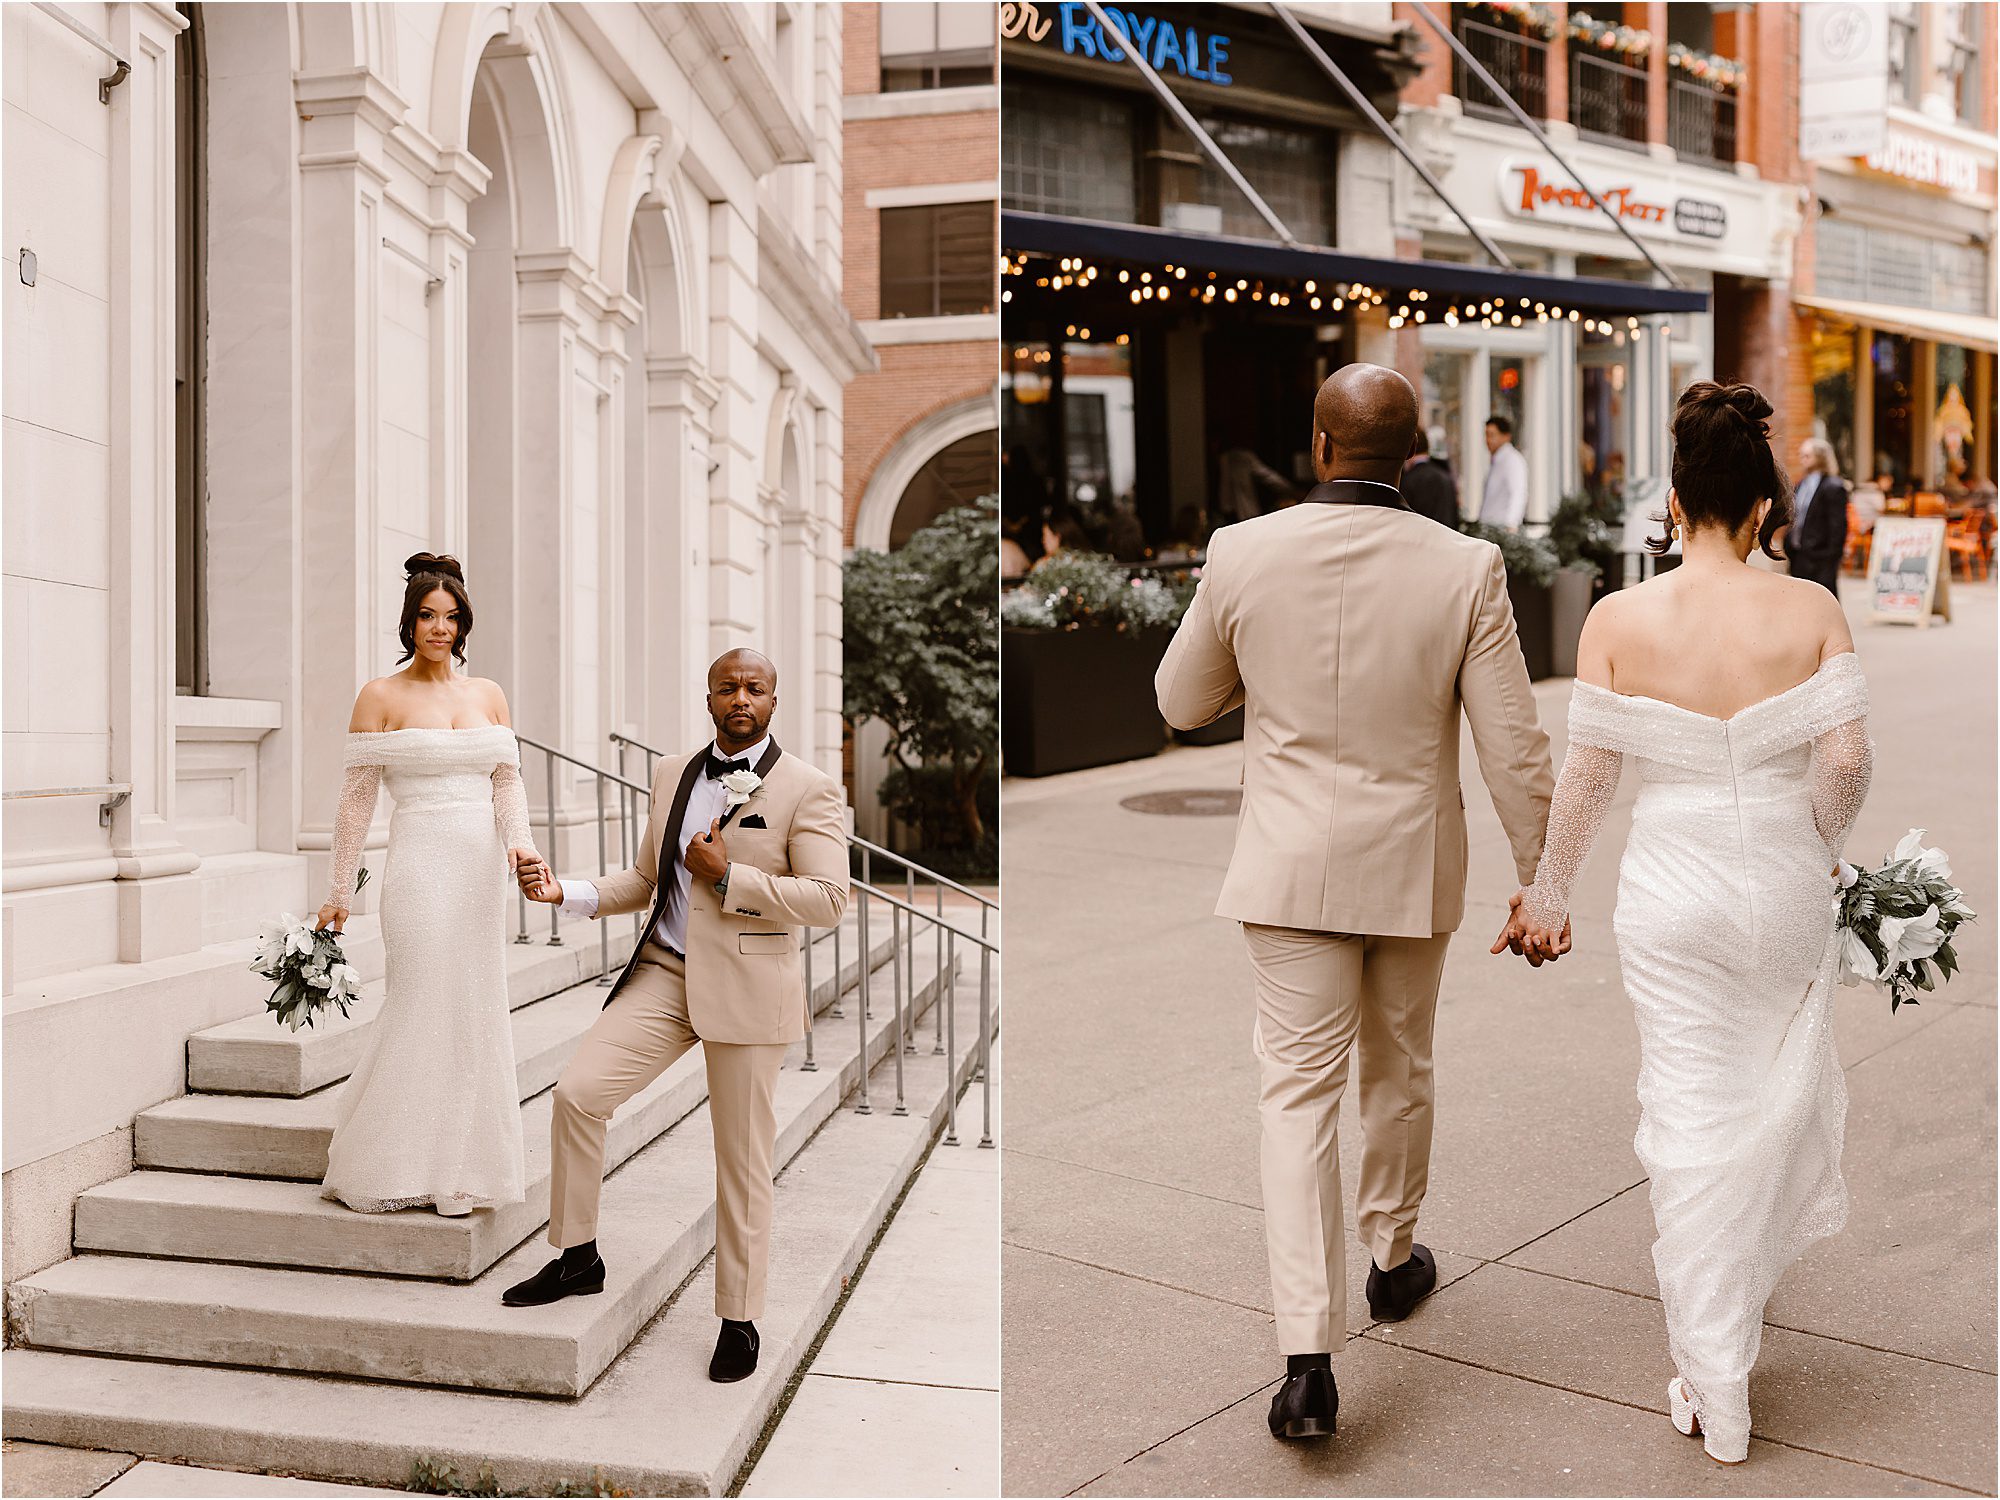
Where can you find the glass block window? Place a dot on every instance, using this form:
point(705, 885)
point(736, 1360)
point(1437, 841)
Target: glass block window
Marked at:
point(938, 259)
point(1291, 169)
point(1068, 152)
point(936, 46)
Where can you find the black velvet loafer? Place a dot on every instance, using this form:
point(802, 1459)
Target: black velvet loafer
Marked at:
point(550, 1284)
point(1306, 1405)
point(735, 1352)
point(1392, 1295)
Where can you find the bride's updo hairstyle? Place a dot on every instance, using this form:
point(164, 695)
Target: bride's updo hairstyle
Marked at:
point(1723, 464)
point(428, 572)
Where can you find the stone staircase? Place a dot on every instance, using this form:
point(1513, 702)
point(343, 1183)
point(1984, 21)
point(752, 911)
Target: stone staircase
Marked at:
point(213, 1285)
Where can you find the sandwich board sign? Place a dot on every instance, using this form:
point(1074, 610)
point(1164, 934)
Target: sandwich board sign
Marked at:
point(1907, 579)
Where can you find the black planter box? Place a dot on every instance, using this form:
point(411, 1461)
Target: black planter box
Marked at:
point(1571, 601)
point(1076, 698)
point(1534, 619)
point(1225, 729)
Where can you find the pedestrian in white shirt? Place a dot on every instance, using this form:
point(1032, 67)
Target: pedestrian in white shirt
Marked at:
point(1505, 501)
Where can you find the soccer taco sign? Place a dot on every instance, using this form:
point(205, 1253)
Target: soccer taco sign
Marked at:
point(1907, 581)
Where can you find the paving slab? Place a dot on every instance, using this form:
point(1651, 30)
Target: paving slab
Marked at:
point(868, 1437)
point(1411, 1424)
point(1915, 1416)
point(158, 1481)
point(43, 1469)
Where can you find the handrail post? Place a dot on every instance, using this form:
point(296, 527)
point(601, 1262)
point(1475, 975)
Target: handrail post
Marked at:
point(809, 1066)
point(603, 868)
point(951, 1046)
point(555, 934)
point(896, 1037)
point(986, 1045)
point(937, 1050)
point(861, 1010)
point(839, 978)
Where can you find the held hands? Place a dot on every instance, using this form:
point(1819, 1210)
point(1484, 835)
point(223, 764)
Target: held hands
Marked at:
point(707, 856)
point(1522, 935)
point(537, 881)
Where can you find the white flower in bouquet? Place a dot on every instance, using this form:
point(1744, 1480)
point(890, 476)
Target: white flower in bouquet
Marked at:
point(271, 937)
point(1930, 862)
point(739, 785)
point(1911, 940)
point(1856, 962)
point(1847, 875)
point(344, 982)
point(299, 940)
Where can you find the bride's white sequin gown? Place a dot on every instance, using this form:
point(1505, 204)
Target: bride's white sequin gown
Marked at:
point(1725, 937)
point(432, 1113)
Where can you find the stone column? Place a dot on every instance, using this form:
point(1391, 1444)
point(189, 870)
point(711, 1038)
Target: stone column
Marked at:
point(736, 521)
point(674, 608)
point(159, 899)
point(1655, 20)
point(345, 608)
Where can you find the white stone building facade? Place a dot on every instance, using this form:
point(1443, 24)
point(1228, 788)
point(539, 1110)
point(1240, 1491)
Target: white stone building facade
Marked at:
point(554, 288)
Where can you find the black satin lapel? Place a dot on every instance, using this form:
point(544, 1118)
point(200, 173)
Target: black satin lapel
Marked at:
point(762, 769)
point(670, 843)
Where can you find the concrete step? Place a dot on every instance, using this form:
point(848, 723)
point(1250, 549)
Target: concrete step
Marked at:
point(654, 1425)
point(239, 891)
point(206, 1216)
point(254, 1055)
point(658, 1224)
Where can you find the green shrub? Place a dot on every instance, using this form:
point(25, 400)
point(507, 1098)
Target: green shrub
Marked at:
point(1529, 558)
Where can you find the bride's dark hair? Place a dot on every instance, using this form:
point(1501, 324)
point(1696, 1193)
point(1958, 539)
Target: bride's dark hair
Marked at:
point(428, 572)
point(1723, 464)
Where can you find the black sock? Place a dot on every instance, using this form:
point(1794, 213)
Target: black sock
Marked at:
point(1298, 1364)
point(577, 1257)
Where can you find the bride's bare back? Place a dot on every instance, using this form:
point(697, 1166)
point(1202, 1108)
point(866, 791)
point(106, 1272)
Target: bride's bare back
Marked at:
point(1711, 637)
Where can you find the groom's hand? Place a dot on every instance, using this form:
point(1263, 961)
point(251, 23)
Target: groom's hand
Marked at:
point(707, 856)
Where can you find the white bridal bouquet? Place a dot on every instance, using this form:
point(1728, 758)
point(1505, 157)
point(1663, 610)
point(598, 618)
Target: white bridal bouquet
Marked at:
point(1896, 922)
point(310, 971)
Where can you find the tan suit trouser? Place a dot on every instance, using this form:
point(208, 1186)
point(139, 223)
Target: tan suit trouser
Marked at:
point(637, 1038)
point(1318, 993)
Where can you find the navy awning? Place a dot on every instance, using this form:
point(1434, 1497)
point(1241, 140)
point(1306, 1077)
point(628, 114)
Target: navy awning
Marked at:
point(1051, 234)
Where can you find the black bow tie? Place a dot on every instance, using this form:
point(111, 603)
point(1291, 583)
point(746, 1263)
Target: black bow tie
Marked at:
point(717, 769)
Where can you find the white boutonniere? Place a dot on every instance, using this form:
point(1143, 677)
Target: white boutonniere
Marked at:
point(740, 785)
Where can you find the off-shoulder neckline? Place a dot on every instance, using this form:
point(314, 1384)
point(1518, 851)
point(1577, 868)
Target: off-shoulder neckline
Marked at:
point(435, 729)
point(1695, 713)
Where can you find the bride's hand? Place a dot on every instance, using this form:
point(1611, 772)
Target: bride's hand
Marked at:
point(1539, 945)
point(533, 876)
point(331, 913)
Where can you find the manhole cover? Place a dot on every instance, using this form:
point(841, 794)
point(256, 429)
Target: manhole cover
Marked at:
point(1202, 802)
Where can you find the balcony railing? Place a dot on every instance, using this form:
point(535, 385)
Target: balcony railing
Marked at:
point(1519, 64)
point(1701, 122)
point(1607, 100)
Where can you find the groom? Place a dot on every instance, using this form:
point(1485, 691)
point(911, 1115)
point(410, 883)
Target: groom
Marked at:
point(743, 844)
point(1354, 631)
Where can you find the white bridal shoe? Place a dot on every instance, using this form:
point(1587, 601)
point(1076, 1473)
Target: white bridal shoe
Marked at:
point(1680, 1409)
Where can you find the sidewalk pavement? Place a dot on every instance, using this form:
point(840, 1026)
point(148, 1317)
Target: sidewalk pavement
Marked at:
point(903, 1398)
point(43, 1469)
point(1140, 1352)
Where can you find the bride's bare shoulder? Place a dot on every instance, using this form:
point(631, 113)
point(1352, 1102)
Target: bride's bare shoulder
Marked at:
point(371, 706)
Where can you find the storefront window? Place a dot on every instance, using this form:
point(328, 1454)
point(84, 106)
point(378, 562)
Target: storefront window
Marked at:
point(1444, 408)
point(1506, 394)
point(1833, 392)
point(1291, 169)
point(1603, 428)
point(1895, 377)
point(1952, 432)
point(1068, 152)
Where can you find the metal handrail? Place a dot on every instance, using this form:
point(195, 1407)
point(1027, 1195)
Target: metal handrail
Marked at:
point(628, 793)
point(923, 870)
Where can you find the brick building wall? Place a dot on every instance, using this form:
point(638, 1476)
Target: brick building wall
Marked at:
point(911, 151)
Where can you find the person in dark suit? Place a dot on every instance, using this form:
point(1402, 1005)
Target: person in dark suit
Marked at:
point(1818, 536)
point(1428, 488)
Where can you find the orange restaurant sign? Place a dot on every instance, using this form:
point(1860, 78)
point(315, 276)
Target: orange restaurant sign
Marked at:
point(1532, 190)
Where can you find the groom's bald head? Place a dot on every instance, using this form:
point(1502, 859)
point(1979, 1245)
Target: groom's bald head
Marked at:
point(1364, 424)
point(742, 694)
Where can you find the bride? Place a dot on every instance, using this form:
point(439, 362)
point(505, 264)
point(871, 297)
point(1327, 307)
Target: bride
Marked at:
point(432, 1114)
point(1736, 695)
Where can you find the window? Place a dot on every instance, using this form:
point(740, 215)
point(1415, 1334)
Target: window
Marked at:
point(938, 259)
point(1070, 153)
point(1291, 169)
point(1962, 68)
point(1905, 55)
point(933, 46)
point(956, 475)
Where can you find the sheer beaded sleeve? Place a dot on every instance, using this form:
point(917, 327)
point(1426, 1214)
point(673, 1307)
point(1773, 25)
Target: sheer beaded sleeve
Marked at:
point(351, 817)
point(1843, 760)
point(1584, 790)
point(510, 807)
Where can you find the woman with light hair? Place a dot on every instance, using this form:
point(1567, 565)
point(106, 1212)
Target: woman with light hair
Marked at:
point(1817, 538)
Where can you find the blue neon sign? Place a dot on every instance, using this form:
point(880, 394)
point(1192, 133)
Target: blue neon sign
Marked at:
point(1169, 48)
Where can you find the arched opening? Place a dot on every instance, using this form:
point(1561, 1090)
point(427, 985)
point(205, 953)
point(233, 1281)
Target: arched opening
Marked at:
point(957, 474)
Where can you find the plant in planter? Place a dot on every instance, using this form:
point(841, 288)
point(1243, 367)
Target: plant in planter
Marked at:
point(1083, 638)
point(1632, 43)
point(920, 645)
point(1516, 16)
point(1532, 568)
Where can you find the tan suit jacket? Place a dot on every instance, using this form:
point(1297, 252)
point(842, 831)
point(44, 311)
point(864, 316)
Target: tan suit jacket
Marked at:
point(745, 981)
point(1355, 633)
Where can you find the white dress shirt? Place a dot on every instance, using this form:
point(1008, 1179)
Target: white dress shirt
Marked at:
point(706, 799)
point(1505, 502)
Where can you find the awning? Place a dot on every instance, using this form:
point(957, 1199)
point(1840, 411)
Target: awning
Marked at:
point(1050, 234)
point(1917, 322)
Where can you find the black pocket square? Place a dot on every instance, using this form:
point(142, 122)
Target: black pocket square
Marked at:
point(753, 821)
